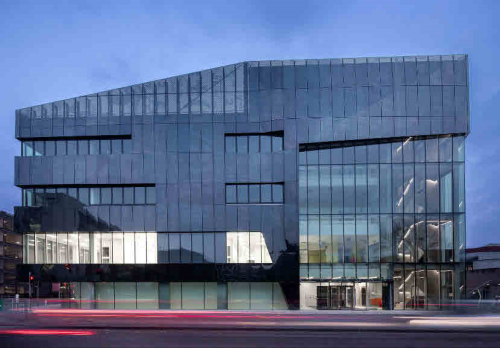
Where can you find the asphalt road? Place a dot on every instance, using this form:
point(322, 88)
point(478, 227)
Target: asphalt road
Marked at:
point(132, 328)
point(255, 338)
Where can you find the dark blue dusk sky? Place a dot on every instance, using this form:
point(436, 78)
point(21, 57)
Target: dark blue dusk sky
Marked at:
point(52, 50)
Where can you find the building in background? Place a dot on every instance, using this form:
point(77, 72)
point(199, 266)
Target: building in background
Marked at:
point(313, 184)
point(11, 254)
point(483, 272)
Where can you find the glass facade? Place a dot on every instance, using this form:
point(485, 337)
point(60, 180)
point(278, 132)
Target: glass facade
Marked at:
point(388, 211)
point(332, 183)
point(145, 247)
point(174, 295)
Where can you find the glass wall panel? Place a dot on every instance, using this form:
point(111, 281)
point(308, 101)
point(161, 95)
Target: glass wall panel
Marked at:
point(445, 187)
point(175, 290)
point(238, 295)
point(361, 238)
point(420, 184)
point(107, 247)
point(349, 190)
point(255, 248)
point(409, 238)
point(163, 248)
point(117, 247)
point(458, 188)
point(410, 300)
point(399, 287)
point(385, 188)
point(73, 247)
point(125, 295)
point(87, 295)
point(337, 189)
point(303, 250)
point(221, 248)
point(398, 238)
point(152, 247)
point(147, 295)
point(40, 249)
point(84, 247)
point(313, 189)
point(197, 247)
point(95, 246)
point(232, 247)
point(420, 239)
point(193, 295)
point(325, 243)
point(373, 188)
point(140, 248)
point(447, 286)
point(361, 189)
point(446, 235)
point(313, 239)
point(433, 286)
point(431, 150)
point(409, 188)
point(433, 240)
point(51, 248)
point(397, 188)
point(261, 296)
point(459, 239)
point(211, 295)
point(129, 247)
point(243, 247)
point(208, 247)
point(445, 149)
point(104, 295)
point(337, 239)
point(373, 238)
point(349, 239)
point(432, 188)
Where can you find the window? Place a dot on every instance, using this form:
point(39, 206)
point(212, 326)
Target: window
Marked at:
point(150, 195)
point(39, 148)
point(83, 147)
point(72, 147)
point(106, 195)
point(140, 195)
point(94, 147)
point(50, 148)
point(105, 148)
point(231, 194)
point(209, 247)
point(254, 143)
point(116, 146)
point(61, 148)
point(127, 146)
point(254, 193)
point(117, 195)
point(94, 196)
point(128, 195)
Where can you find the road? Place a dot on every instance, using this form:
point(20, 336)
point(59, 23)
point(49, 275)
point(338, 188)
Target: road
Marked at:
point(100, 328)
point(255, 338)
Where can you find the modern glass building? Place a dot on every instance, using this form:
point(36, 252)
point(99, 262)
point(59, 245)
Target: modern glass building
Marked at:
point(311, 184)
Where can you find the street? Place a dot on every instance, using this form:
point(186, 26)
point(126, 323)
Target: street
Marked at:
point(255, 338)
point(129, 328)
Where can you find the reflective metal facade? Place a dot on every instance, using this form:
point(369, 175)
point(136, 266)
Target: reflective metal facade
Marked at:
point(178, 129)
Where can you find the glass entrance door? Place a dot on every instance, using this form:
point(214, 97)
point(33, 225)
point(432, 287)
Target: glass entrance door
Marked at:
point(341, 296)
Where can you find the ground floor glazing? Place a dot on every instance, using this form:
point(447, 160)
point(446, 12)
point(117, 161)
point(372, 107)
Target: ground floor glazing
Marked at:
point(173, 295)
point(402, 286)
